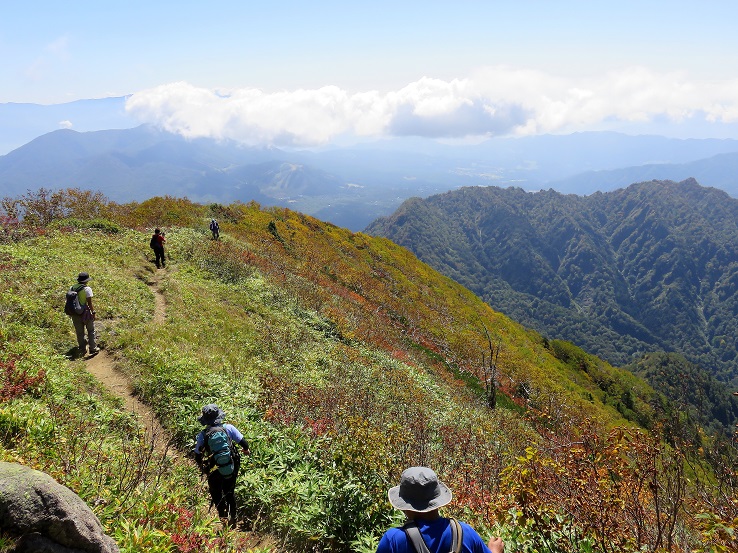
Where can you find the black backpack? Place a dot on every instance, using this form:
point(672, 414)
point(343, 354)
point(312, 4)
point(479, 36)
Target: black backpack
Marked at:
point(153, 243)
point(416, 539)
point(220, 446)
point(72, 305)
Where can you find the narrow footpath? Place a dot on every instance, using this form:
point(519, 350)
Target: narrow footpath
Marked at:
point(102, 366)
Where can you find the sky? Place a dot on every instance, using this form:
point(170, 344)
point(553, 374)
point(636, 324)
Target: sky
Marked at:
point(312, 73)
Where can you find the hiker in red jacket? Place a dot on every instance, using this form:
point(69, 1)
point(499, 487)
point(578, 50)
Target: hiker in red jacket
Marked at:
point(157, 244)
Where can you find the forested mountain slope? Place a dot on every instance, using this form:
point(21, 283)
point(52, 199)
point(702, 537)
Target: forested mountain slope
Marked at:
point(652, 267)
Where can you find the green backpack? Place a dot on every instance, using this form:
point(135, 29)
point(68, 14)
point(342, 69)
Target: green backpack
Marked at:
point(220, 446)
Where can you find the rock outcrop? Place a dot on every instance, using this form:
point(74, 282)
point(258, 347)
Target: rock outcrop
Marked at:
point(46, 516)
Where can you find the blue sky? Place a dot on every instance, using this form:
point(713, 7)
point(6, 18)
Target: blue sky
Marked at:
point(307, 73)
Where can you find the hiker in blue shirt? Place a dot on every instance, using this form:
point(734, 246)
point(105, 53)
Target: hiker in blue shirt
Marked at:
point(215, 229)
point(221, 466)
point(420, 495)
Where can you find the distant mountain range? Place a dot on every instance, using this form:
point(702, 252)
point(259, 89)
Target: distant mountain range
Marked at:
point(21, 123)
point(651, 267)
point(720, 171)
point(348, 186)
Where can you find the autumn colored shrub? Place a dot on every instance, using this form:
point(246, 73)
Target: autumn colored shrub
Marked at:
point(38, 209)
point(159, 211)
point(15, 382)
point(624, 491)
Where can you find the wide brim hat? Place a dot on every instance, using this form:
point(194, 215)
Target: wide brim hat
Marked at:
point(211, 414)
point(420, 490)
point(83, 277)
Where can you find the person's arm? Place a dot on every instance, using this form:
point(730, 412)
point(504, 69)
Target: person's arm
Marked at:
point(197, 451)
point(237, 437)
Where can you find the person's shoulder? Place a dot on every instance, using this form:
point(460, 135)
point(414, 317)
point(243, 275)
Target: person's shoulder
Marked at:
point(393, 534)
point(470, 534)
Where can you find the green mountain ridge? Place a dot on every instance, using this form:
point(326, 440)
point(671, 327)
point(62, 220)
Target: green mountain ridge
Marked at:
point(652, 267)
point(343, 359)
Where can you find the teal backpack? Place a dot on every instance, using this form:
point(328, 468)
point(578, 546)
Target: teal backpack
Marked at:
point(220, 446)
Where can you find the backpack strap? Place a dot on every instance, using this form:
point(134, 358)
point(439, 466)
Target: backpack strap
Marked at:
point(416, 539)
point(79, 287)
point(457, 536)
point(413, 536)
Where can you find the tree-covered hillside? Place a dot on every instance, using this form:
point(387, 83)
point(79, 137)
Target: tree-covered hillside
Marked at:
point(344, 359)
point(652, 267)
point(701, 400)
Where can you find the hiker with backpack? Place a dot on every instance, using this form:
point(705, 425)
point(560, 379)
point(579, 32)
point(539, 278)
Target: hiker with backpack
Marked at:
point(157, 244)
point(79, 307)
point(420, 495)
point(222, 461)
point(215, 229)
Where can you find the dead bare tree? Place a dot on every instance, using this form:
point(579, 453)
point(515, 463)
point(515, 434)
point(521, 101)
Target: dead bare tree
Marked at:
point(489, 369)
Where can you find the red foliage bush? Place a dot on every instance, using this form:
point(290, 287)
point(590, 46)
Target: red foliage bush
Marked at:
point(15, 382)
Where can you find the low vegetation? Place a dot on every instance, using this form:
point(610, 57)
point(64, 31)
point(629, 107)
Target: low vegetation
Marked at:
point(344, 360)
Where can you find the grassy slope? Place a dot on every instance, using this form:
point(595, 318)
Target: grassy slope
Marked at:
point(338, 354)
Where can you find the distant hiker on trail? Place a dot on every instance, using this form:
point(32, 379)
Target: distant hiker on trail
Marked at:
point(79, 308)
point(420, 495)
point(215, 229)
point(157, 244)
point(221, 466)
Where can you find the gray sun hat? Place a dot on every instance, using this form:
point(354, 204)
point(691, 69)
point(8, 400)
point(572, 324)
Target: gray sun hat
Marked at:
point(420, 490)
point(211, 415)
point(83, 277)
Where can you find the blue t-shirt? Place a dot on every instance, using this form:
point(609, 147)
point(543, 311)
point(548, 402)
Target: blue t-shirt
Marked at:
point(231, 430)
point(437, 536)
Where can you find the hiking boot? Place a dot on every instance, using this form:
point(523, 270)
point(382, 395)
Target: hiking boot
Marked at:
point(93, 351)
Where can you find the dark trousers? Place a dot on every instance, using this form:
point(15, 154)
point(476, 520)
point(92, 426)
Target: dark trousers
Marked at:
point(160, 257)
point(222, 491)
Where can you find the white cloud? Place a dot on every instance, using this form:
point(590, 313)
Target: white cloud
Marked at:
point(66, 124)
point(493, 101)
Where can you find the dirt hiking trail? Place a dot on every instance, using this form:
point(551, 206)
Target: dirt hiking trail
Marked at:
point(102, 367)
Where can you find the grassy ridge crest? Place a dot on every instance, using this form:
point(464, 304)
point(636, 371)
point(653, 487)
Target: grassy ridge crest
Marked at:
point(339, 355)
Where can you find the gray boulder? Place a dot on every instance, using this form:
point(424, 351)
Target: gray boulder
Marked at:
point(48, 517)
